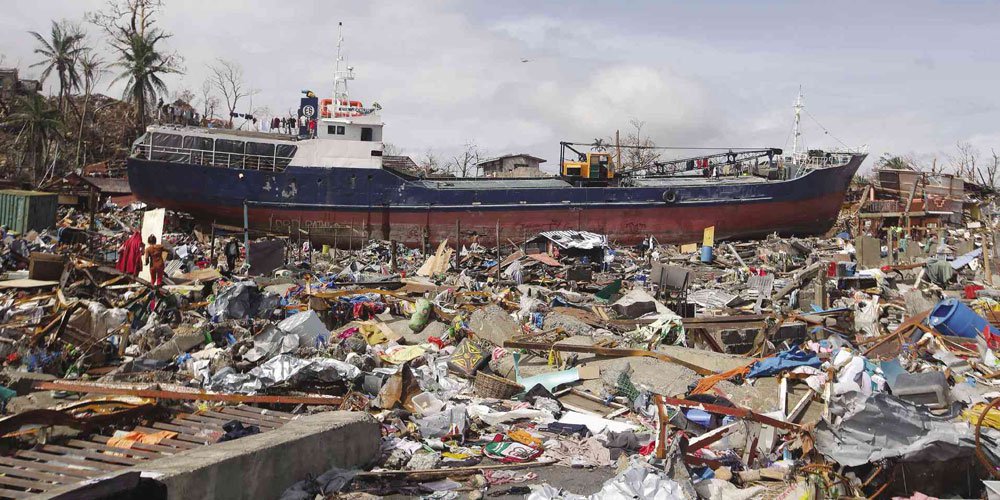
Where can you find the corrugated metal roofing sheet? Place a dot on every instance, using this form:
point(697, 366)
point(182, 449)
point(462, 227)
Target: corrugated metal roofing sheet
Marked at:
point(583, 240)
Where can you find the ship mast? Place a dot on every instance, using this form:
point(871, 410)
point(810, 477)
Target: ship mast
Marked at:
point(798, 115)
point(341, 76)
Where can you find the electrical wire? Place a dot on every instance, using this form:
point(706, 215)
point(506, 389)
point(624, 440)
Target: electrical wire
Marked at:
point(824, 128)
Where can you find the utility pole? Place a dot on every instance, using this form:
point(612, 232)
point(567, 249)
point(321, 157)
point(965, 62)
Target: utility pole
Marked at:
point(618, 151)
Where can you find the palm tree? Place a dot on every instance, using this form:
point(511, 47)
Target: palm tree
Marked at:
point(39, 124)
point(92, 68)
point(60, 51)
point(142, 66)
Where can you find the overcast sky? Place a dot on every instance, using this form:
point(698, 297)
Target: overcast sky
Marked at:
point(911, 77)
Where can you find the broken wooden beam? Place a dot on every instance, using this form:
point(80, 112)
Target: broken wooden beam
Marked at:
point(61, 385)
point(733, 412)
point(605, 351)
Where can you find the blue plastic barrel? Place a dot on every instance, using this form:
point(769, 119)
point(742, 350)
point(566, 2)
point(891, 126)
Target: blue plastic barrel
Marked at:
point(951, 317)
point(706, 254)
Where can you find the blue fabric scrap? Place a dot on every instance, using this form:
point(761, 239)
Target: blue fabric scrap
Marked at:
point(786, 360)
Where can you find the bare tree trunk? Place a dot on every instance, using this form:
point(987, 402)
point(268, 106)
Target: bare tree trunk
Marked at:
point(83, 119)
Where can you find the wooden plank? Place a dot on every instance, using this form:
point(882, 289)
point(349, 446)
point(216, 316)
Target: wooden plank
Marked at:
point(180, 440)
point(80, 461)
point(74, 386)
point(265, 425)
point(27, 483)
point(162, 450)
point(209, 418)
point(185, 433)
point(103, 457)
point(211, 424)
point(264, 411)
point(195, 426)
point(5, 493)
point(47, 467)
point(38, 476)
point(236, 412)
point(88, 445)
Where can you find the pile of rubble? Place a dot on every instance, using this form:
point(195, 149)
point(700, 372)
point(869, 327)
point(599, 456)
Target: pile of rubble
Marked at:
point(855, 365)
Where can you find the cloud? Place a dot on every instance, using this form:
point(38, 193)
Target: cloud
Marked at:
point(698, 74)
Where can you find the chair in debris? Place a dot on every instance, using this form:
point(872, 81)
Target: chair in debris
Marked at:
point(764, 285)
point(672, 288)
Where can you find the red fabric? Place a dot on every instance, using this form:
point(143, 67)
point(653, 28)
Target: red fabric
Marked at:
point(130, 258)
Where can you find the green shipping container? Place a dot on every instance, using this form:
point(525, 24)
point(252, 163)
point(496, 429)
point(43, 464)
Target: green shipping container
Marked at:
point(22, 211)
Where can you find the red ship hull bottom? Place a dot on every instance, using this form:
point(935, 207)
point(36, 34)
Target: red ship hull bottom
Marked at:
point(624, 226)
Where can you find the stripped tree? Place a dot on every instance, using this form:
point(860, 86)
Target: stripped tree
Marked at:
point(227, 78)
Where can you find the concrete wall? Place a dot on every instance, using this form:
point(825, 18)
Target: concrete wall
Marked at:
point(512, 166)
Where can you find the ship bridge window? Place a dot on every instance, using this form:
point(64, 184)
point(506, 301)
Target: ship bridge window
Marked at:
point(168, 147)
point(284, 154)
point(366, 134)
point(260, 155)
point(229, 152)
point(260, 149)
point(200, 149)
point(200, 143)
point(228, 146)
point(335, 130)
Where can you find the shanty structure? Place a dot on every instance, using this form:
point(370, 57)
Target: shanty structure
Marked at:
point(516, 165)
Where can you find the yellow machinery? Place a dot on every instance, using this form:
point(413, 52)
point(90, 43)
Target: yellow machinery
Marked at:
point(590, 166)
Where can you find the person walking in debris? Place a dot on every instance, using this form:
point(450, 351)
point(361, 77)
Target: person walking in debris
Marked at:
point(232, 251)
point(154, 257)
point(130, 254)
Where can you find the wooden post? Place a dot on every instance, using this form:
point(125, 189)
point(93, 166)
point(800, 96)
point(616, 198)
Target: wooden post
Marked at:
point(211, 250)
point(91, 242)
point(821, 286)
point(246, 232)
point(987, 248)
point(498, 252)
point(392, 255)
point(618, 152)
point(891, 243)
point(909, 201)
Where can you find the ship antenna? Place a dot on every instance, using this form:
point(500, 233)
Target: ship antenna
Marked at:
point(341, 76)
point(798, 115)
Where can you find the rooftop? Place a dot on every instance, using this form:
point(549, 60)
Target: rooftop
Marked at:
point(521, 155)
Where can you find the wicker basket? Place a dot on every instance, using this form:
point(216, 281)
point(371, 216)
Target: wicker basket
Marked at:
point(492, 386)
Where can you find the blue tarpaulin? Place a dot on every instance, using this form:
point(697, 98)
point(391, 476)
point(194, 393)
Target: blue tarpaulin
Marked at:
point(786, 360)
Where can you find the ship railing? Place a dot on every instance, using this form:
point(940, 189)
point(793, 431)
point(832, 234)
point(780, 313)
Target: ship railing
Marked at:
point(241, 161)
point(833, 160)
point(881, 206)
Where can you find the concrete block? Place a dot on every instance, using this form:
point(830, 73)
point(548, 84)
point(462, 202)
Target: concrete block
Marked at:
point(266, 464)
point(492, 323)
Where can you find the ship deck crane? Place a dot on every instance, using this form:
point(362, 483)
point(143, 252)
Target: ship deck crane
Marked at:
point(597, 167)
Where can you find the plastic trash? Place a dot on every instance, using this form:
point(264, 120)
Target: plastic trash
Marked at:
point(954, 318)
point(421, 316)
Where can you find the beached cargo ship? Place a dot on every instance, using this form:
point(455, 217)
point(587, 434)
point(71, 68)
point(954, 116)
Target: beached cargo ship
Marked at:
point(331, 181)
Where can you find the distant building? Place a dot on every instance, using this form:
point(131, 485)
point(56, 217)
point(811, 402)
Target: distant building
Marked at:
point(12, 86)
point(519, 165)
